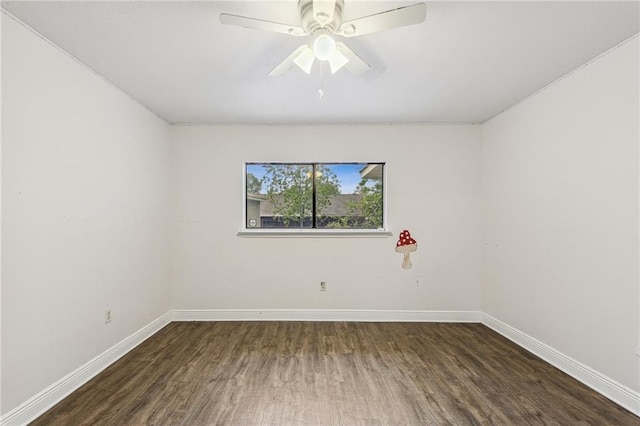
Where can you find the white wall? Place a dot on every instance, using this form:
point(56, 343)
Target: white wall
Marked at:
point(560, 215)
point(433, 190)
point(85, 222)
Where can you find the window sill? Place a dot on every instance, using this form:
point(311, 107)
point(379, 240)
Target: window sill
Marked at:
point(268, 233)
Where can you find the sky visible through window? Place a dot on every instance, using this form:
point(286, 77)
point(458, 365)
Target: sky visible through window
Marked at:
point(348, 174)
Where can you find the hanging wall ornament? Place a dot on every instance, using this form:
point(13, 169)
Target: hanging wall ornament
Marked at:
point(406, 245)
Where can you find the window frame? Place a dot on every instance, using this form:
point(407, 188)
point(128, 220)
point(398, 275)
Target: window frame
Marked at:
point(315, 232)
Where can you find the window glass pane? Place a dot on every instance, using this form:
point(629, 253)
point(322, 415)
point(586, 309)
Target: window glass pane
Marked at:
point(349, 196)
point(341, 196)
point(279, 196)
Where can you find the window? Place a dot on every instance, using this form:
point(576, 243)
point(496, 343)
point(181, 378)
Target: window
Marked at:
point(314, 196)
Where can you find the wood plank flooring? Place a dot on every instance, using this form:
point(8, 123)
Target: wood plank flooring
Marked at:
point(332, 373)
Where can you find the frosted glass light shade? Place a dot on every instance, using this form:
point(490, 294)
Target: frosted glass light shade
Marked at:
point(324, 47)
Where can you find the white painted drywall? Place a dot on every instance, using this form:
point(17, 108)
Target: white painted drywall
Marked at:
point(433, 190)
point(560, 215)
point(85, 221)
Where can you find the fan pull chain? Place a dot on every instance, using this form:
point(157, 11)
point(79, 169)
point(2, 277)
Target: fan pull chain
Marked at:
point(321, 91)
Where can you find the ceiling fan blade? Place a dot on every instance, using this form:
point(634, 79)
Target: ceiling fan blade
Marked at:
point(355, 64)
point(337, 61)
point(285, 65)
point(403, 16)
point(305, 59)
point(323, 11)
point(259, 24)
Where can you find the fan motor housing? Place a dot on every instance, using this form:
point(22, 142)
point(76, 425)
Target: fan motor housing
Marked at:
point(309, 21)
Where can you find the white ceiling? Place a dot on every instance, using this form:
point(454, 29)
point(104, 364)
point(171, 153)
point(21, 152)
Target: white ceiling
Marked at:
point(468, 62)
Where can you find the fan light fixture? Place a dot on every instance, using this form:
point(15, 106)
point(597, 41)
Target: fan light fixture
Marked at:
point(324, 47)
point(321, 20)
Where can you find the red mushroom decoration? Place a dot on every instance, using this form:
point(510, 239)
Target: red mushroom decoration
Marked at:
point(406, 245)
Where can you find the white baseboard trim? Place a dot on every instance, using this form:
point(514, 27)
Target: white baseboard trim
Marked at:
point(618, 393)
point(43, 401)
point(324, 315)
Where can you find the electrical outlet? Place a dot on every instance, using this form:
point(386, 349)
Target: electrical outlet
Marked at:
point(323, 286)
point(107, 316)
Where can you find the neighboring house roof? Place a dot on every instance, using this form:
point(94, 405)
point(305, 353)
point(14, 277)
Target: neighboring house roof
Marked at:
point(338, 206)
point(257, 197)
point(371, 171)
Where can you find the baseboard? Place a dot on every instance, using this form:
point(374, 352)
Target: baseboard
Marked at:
point(618, 393)
point(324, 315)
point(43, 401)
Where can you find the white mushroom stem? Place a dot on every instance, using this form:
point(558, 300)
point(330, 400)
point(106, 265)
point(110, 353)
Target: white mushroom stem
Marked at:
point(406, 261)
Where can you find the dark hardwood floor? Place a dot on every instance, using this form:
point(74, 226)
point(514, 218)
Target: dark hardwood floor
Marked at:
point(332, 373)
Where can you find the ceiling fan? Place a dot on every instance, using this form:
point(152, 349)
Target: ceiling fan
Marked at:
point(321, 20)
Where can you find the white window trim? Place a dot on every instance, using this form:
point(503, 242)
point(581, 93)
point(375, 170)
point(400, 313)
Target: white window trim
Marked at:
point(297, 232)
